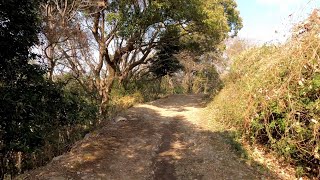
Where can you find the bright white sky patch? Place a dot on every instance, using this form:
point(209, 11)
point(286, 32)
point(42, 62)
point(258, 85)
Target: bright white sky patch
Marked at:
point(283, 5)
point(279, 2)
point(271, 20)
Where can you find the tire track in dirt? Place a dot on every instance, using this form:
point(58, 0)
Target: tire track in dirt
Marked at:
point(163, 165)
point(160, 140)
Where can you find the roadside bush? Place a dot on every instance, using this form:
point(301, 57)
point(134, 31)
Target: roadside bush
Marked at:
point(125, 95)
point(272, 96)
point(207, 80)
point(38, 122)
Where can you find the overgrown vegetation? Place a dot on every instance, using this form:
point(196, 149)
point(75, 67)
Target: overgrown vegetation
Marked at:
point(272, 95)
point(33, 111)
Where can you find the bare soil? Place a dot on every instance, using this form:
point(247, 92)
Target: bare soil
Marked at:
point(160, 140)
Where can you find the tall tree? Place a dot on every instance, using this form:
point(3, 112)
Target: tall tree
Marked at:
point(59, 25)
point(165, 62)
point(120, 36)
point(128, 31)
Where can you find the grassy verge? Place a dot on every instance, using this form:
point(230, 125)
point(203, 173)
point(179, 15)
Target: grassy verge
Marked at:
point(271, 97)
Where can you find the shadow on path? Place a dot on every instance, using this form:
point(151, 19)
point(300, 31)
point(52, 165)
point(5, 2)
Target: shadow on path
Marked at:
point(158, 141)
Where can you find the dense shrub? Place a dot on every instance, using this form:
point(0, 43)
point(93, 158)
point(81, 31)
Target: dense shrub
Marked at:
point(272, 97)
point(207, 80)
point(38, 119)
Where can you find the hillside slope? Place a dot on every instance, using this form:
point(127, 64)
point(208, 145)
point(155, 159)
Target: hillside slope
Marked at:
point(272, 97)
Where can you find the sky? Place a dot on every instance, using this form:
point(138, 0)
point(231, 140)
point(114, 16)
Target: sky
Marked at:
point(270, 21)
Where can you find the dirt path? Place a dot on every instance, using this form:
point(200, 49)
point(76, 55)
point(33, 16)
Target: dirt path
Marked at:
point(159, 140)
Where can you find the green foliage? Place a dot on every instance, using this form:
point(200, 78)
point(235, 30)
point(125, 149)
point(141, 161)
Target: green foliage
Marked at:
point(207, 80)
point(20, 82)
point(124, 96)
point(213, 20)
point(147, 89)
point(33, 111)
point(272, 97)
point(165, 62)
point(38, 115)
point(203, 24)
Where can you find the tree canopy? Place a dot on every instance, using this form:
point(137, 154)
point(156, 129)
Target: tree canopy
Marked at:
point(127, 34)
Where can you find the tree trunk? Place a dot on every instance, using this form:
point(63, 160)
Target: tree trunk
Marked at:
point(49, 54)
point(2, 165)
point(50, 35)
point(105, 90)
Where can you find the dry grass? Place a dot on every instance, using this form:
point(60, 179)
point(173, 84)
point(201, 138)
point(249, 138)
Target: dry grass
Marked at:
point(272, 97)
